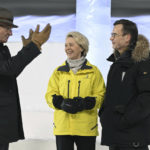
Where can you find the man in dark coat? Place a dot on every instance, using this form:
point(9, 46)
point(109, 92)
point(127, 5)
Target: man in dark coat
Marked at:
point(125, 114)
point(10, 67)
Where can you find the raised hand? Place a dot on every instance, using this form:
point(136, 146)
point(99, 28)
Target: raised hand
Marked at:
point(28, 40)
point(40, 38)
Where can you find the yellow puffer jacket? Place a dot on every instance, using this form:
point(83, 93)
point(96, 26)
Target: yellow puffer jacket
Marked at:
point(88, 81)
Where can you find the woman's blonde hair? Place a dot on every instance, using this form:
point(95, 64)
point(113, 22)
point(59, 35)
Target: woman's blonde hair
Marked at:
point(81, 40)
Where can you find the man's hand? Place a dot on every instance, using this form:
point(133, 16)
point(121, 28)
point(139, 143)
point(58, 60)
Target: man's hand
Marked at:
point(28, 40)
point(40, 38)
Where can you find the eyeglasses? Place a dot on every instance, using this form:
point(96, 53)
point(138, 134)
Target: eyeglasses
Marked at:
point(115, 34)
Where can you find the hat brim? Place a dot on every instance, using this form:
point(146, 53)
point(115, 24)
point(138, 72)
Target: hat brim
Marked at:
point(14, 26)
point(7, 23)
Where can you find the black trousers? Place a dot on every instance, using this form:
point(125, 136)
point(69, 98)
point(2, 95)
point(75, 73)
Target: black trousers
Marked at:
point(4, 146)
point(128, 148)
point(66, 142)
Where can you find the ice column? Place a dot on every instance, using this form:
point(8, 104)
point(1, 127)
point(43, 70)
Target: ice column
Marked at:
point(93, 19)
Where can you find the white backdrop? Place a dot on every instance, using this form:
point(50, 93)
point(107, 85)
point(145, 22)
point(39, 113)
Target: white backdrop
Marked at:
point(34, 79)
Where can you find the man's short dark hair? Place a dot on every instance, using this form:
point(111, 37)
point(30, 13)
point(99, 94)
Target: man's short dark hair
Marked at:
point(129, 27)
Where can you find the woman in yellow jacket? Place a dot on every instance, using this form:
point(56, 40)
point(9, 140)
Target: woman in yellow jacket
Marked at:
point(75, 91)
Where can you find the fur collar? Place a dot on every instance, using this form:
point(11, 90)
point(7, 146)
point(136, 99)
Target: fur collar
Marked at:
point(142, 49)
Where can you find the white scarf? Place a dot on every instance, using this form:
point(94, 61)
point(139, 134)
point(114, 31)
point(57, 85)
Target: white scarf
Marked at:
point(76, 64)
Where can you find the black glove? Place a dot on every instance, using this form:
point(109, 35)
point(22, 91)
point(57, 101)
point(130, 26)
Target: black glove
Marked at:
point(69, 105)
point(57, 100)
point(84, 103)
point(80, 104)
point(89, 102)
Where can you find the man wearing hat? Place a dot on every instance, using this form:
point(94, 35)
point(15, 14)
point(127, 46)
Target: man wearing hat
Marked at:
point(11, 128)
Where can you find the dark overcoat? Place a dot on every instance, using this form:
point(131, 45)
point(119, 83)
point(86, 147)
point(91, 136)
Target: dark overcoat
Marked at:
point(125, 115)
point(10, 112)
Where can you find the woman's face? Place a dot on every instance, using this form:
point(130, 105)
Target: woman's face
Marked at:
point(72, 49)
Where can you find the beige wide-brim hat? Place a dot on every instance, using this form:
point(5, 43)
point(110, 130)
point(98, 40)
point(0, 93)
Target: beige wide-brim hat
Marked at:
point(6, 18)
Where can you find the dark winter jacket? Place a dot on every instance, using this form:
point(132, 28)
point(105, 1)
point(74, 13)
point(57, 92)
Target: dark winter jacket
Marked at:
point(125, 115)
point(10, 113)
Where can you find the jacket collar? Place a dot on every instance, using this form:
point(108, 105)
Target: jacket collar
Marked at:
point(124, 60)
point(117, 57)
point(111, 58)
point(66, 68)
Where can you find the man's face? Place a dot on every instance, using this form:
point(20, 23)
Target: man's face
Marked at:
point(5, 32)
point(119, 40)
